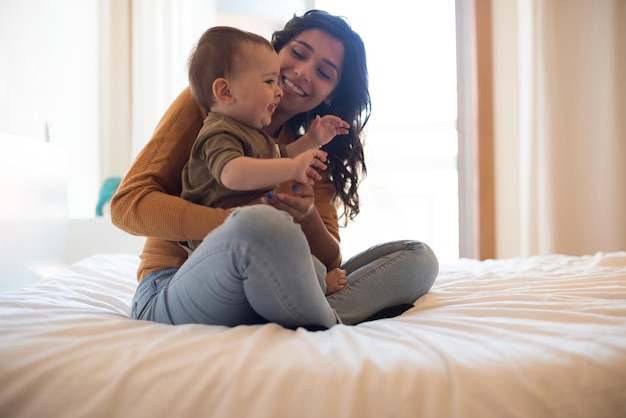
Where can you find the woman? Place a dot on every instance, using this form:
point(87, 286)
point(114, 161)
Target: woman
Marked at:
point(254, 266)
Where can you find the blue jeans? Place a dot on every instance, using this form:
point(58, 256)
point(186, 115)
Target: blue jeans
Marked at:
point(257, 268)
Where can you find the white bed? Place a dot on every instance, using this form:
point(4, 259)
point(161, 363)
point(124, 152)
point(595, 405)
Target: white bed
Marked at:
point(532, 337)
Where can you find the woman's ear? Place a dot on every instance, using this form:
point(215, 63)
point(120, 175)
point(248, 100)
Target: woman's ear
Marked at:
point(222, 92)
point(329, 100)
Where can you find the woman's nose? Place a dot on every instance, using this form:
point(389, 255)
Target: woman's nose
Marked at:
point(303, 72)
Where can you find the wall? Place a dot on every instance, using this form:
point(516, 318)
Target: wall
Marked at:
point(38, 239)
point(49, 71)
point(90, 78)
point(98, 235)
point(33, 213)
point(96, 75)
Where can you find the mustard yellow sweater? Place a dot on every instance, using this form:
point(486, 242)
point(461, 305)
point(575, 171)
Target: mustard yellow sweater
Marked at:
point(147, 201)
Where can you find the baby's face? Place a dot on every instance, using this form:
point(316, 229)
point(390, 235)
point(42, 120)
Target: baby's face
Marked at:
point(255, 87)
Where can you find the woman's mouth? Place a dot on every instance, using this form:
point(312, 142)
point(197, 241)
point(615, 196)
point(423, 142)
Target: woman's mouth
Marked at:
point(292, 87)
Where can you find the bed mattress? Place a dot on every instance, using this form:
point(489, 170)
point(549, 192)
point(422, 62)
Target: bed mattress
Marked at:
point(542, 336)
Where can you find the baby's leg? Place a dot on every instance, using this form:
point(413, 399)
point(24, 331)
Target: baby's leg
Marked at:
point(335, 281)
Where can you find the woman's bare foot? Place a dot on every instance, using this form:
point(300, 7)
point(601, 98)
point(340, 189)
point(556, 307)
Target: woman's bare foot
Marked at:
point(335, 281)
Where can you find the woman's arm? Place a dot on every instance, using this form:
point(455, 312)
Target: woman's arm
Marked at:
point(147, 201)
point(313, 209)
point(323, 244)
point(319, 221)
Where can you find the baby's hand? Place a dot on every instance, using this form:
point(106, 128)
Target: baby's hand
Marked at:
point(307, 165)
point(321, 132)
point(324, 129)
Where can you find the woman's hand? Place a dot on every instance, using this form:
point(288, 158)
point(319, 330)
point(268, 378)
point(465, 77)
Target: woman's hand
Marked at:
point(299, 205)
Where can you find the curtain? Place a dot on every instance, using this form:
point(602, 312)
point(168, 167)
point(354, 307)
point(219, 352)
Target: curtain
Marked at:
point(163, 33)
point(571, 133)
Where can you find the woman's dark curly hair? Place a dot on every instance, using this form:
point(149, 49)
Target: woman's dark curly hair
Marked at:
point(351, 102)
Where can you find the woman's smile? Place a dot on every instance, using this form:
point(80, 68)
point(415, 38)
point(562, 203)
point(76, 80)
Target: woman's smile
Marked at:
point(311, 65)
point(291, 86)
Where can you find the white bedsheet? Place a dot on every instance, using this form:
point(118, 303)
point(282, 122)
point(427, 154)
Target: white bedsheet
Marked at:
point(535, 337)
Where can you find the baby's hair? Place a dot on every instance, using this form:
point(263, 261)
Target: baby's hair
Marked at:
point(220, 52)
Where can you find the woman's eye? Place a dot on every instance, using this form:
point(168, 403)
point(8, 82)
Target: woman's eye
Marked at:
point(323, 75)
point(297, 54)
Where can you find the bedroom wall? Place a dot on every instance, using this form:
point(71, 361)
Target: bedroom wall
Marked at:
point(82, 74)
point(33, 213)
point(38, 238)
point(49, 71)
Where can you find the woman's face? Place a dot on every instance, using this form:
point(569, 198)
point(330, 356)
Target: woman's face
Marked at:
point(310, 67)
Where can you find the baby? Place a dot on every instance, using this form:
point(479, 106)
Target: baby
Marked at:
point(233, 162)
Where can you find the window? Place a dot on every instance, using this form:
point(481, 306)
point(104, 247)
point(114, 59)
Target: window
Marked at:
point(411, 191)
point(104, 98)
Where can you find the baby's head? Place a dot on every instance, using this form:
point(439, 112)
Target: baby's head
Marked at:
point(235, 72)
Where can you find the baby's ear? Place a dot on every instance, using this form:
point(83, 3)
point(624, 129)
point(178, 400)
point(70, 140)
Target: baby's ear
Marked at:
point(222, 92)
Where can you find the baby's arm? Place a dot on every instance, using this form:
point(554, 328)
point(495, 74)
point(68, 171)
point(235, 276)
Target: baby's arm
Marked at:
point(247, 173)
point(321, 132)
